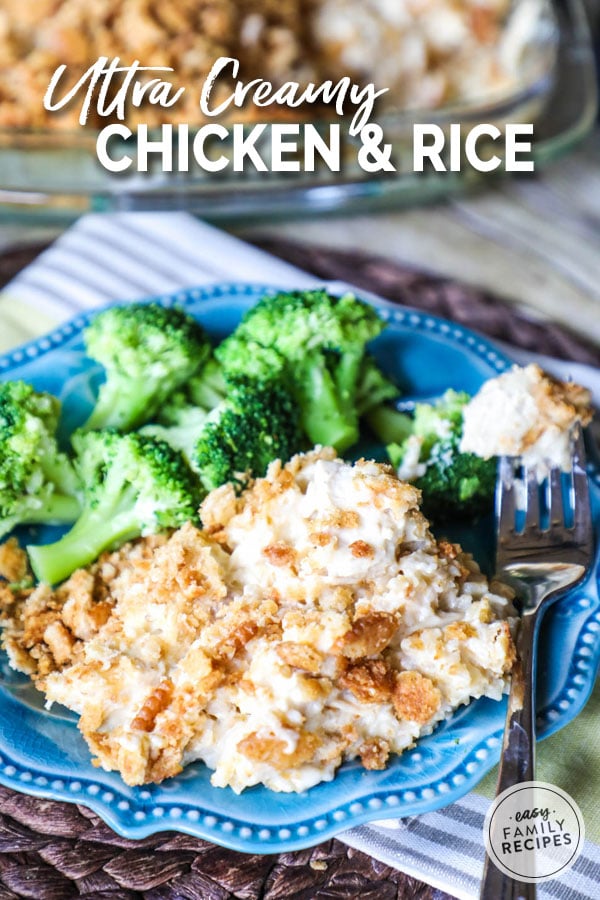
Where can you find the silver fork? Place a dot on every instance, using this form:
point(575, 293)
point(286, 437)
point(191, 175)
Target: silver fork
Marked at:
point(543, 564)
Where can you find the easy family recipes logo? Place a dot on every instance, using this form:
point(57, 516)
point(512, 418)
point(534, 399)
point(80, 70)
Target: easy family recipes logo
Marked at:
point(534, 831)
point(109, 88)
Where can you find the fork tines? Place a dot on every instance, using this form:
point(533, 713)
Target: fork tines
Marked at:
point(536, 517)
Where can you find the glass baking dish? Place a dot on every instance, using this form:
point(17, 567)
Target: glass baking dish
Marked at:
point(48, 175)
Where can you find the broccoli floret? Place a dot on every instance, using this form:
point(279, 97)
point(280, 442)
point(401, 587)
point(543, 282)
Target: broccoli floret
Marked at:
point(182, 437)
point(321, 340)
point(256, 416)
point(132, 485)
point(435, 421)
point(178, 412)
point(180, 420)
point(257, 423)
point(453, 484)
point(37, 482)
point(182, 426)
point(243, 359)
point(207, 387)
point(148, 351)
point(373, 387)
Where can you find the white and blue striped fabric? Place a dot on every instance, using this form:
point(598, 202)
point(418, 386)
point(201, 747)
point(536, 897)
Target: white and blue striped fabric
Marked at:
point(132, 255)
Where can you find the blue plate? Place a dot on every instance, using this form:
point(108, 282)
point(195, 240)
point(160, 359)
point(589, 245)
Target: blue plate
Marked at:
point(42, 752)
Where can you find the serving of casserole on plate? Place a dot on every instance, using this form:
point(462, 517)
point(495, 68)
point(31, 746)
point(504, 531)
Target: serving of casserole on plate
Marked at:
point(286, 670)
point(312, 620)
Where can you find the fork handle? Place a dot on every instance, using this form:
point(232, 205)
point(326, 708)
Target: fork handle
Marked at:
point(517, 763)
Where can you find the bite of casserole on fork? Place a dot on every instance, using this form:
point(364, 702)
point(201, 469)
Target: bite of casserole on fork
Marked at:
point(526, 413)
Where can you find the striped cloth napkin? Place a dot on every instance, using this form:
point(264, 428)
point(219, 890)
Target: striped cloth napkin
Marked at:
point(132, 255)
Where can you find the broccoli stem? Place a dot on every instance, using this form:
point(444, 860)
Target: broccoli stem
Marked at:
point(389, 425)
point(346, 371)
point(94, 532)
point(323, 416)
point(208, 387)
point(59, 472)
point(122, 410)
point(58, 509)
point(181, 438)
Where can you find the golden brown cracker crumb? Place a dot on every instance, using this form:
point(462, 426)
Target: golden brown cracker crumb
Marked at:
point(415, 697)
point(563, 400)
point(369, 635)
point(275, 752)
point(13, 561)
point(238, 638)
point(300, 656)
point(461, 631)
point(280, 554)
point(450, 551)
point(508, 649)
point(158, 700)
point(60, 642)
point(81, 612)
point(218, 507)
point(369, 680)
point(361, 549)
point(374, 754)
point(341, 518)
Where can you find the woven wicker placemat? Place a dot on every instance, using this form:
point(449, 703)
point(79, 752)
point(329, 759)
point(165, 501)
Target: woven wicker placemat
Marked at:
point(55, 851)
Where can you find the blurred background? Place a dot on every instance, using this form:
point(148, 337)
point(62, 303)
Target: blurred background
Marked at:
point(481, 60)
point(442, 61)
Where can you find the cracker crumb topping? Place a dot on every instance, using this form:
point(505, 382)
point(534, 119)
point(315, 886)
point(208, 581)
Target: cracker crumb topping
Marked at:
point(269, 655)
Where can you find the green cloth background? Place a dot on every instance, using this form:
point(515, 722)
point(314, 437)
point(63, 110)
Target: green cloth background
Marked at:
point(570, 759)
point(19, 324)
